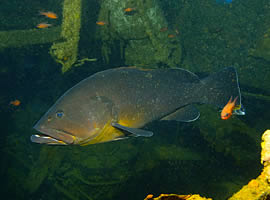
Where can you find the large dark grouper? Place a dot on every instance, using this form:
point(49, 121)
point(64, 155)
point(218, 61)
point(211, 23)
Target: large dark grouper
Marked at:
point(116, 103)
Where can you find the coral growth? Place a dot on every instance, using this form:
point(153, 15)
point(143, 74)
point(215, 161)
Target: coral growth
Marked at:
point(66, 52)
point(265, 157)
point(176, 197)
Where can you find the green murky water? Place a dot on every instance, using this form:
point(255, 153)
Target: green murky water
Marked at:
point(212, 157)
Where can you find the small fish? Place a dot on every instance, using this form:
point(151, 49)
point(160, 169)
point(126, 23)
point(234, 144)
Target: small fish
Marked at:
point(101, 23)
point(43, 25)
point(49, 14)
point(15, 102)
point(227, 111)
point(130, 11)
point(171, 36)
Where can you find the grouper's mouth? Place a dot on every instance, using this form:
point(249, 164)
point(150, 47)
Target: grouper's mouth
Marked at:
point(52, 136)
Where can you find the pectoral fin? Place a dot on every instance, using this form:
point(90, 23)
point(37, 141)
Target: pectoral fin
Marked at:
point(135, 132)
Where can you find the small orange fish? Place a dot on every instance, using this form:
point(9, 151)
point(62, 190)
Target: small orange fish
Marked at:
point(226, 112)
point(15, 102)
point(43, 25)
point(49, 14)
point(171, 36)
point(101, 23)
point(129, 9)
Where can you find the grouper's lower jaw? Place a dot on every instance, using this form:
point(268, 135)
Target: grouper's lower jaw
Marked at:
point(52, 136)
point(42, 139)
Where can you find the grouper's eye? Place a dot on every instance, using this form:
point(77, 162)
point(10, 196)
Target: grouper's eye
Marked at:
point(59, 114)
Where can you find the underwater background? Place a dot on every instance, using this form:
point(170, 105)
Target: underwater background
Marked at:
point(211, 157)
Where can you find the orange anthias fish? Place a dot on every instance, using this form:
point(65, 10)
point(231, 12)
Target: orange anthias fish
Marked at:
point(171, 36)
point(226, 112)
point(101, 23)
point(15, 102)
point(49, 14)
point(129, 9)
point(43, 25)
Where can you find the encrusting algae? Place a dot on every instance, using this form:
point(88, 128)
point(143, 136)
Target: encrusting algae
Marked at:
point(66, 52)
point(265, 156)
point(136, 25)
point(176, 197)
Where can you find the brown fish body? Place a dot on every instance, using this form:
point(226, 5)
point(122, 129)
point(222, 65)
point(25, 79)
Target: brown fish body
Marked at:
point(116, 103)
point(141, 96)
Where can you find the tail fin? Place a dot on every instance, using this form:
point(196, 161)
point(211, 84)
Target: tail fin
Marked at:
point(221, 86)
